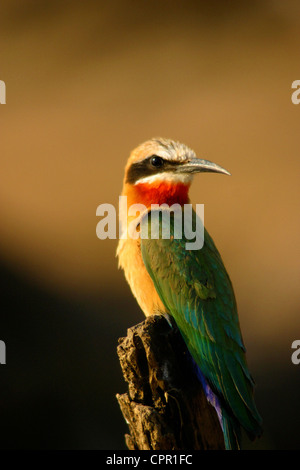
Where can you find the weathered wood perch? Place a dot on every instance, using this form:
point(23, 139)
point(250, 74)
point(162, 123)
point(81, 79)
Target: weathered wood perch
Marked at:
point(165, 406)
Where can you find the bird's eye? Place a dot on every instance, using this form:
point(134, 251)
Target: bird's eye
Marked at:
point(156, 161)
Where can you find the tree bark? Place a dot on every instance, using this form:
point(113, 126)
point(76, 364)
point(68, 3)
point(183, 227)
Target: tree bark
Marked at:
point(165, 406)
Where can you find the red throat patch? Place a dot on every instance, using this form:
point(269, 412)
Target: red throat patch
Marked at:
point(161, 193)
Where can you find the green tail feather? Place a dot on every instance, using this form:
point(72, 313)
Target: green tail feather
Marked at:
point(231, 431)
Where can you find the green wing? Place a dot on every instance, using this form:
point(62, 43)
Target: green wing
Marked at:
point(196, 291)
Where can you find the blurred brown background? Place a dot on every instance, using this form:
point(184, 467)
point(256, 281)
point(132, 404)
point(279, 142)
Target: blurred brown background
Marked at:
point(87, 82)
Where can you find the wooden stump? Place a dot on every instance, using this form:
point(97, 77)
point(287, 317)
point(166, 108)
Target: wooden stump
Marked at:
point(165, 407)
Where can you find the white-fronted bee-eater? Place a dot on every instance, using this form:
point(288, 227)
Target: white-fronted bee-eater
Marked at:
point(191, 286)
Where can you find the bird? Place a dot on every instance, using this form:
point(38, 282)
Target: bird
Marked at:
point(192, 287)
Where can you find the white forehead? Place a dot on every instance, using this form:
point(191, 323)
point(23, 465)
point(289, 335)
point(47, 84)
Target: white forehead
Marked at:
point(167, 149)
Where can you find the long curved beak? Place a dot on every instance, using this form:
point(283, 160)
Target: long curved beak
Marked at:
point(197, 165)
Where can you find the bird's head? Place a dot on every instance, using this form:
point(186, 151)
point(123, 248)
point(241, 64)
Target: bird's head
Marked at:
point(161, 171)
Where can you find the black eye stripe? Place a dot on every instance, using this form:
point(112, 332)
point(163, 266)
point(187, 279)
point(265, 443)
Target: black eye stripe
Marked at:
point(144, 168)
